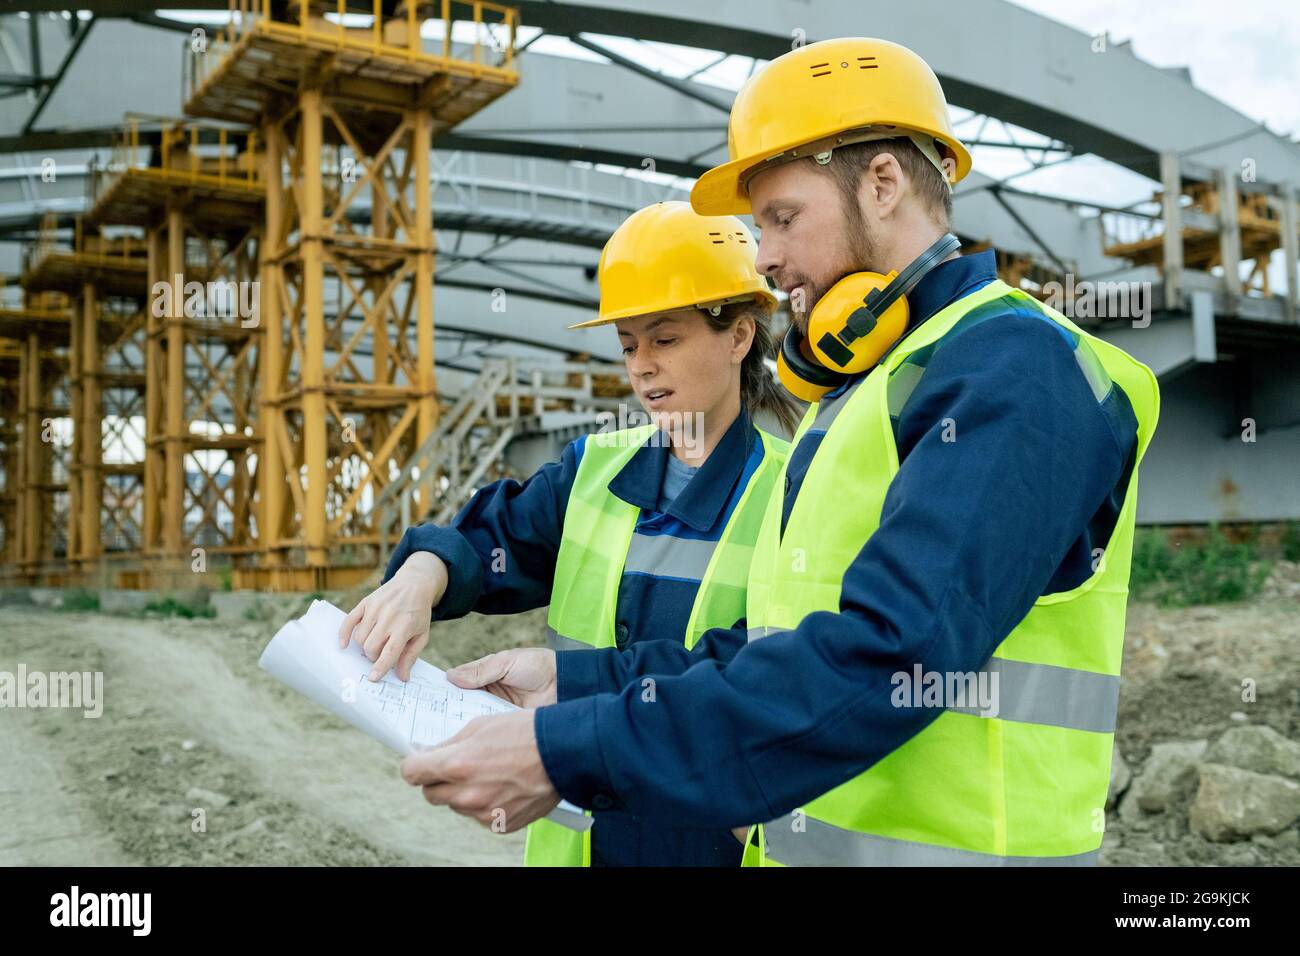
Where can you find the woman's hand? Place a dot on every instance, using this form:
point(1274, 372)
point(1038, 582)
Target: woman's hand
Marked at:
point(391, 624)
point(525, 676)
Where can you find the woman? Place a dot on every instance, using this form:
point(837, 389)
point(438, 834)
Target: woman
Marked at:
point(635, 535)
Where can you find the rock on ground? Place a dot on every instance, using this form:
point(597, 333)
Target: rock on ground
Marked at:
point(1232, 804)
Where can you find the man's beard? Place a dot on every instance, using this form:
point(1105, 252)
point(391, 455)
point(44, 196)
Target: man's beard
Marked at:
point(862, 255)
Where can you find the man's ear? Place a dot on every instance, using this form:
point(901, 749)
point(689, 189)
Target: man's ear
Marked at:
point(882, 187)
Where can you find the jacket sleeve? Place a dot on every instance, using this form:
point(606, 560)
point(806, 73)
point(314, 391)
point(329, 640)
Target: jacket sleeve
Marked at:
point(606, 670)
point(971, 531)
point(500, 550)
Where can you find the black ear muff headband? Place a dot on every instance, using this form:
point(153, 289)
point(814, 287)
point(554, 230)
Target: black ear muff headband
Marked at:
point(810, 370)
point(878, 301)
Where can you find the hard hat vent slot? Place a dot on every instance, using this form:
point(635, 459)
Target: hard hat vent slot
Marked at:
point(716, 237)
point(867, 63)
point(820, 69)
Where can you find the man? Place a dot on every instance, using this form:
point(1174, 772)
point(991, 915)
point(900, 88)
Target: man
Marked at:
point(956, 517)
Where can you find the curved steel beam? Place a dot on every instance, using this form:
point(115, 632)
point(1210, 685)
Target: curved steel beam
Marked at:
point(1050, 79)
point(992, 57)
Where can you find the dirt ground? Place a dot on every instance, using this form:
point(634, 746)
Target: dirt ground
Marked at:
point(1184, 675)
point(190, 722)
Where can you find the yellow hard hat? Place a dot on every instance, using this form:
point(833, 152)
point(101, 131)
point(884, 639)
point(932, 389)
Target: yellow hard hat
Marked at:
point(666, 257)
point(827, 94)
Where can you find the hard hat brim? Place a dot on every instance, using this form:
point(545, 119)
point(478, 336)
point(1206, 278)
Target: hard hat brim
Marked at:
point(765, 295)
point(718, 191)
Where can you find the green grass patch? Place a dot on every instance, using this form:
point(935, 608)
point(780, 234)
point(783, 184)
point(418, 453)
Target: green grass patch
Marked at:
point(1212, 570)
point(170, 607)
point(80, 599)
point(1290, 541)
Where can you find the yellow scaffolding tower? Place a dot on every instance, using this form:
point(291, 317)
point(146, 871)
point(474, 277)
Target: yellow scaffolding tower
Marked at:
point(105, 279)
point(1219, 225)
point(196, 192)
point(345, 113)
point(36, 433)
point(10, 456)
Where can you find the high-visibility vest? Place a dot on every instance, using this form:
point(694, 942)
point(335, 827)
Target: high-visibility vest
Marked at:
point(599, 543)
point(1025, 787)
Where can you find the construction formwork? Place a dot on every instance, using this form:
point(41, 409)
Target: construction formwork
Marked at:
point(104, 279)
point(36, 431)
point(1213, 220)
point(10, 454)
point(346, 117)
point(195, 191)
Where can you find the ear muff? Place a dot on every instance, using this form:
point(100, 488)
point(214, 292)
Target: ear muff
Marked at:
point(853, 325)
point(846, 333)
point(802, 376)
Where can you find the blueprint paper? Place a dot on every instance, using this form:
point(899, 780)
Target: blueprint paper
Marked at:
point(422, 712)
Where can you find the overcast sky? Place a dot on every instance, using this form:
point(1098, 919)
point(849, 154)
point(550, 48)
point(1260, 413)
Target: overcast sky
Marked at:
point(1246, 54)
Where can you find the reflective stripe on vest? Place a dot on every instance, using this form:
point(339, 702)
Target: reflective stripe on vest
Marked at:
point(1032, 693)
point(667, 556)
point(754, 633)
point(797, 840)
point(558, 642)
point(600, 544)
point(828, 410)
point(1025, 784)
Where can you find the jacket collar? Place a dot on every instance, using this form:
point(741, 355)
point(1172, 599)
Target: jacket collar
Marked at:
point(939, 288)
point(705, 497)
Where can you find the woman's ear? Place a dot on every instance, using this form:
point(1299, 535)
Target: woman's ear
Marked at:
point(742, 337)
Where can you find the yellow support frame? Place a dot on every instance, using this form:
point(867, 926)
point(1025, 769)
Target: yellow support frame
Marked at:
point(331, 428)
point(103, 278)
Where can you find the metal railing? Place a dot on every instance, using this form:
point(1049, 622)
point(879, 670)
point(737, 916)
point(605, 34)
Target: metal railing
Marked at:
point(506, 400)
point(390, 36)
point(187, 152)
point(124, 246)
point(1123, 229)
